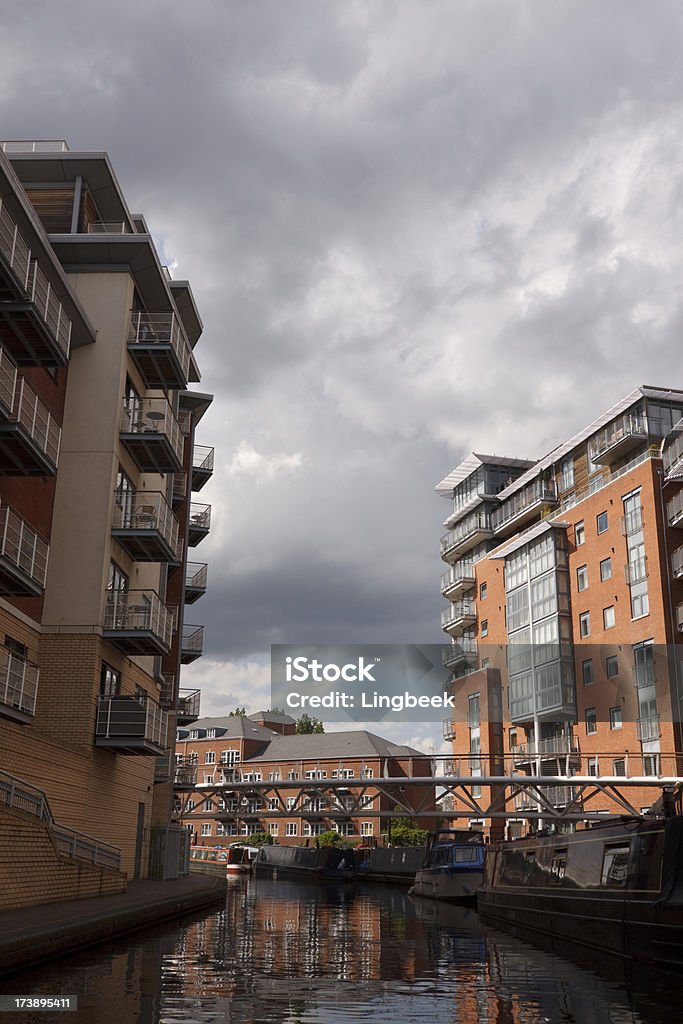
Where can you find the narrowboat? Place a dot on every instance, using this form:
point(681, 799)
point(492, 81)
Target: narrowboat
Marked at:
point(453, 866)
point(219, 860)
point(616, 887)
point(325, 862)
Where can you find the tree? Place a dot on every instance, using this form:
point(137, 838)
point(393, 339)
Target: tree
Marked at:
point(329, 838)
point(405, 832)
point(237, 713)
point(307, 725)
point(260, 839)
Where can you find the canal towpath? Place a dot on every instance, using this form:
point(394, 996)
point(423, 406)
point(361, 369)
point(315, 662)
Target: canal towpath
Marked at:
point(31, 934)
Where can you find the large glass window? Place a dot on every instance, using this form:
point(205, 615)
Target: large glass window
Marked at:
point(543, 596)
point(518, 609)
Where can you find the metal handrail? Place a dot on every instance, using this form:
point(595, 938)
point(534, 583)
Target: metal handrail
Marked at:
point(674, 509)
point(122, 716)
point(128, 610)
point(148, 510)
point(457, 573)
point(535, 492)
point(458, 610)
point(103, 227)
point(50, 308)
point(13, 247)
point(22, 546)
point(193, 638)
point(202, 457)
point(35, 418)
point(677, 561)
point(636, 571)
point(8, 379)
point(200, 516)
point(473, 523)
point(196, 575)
point(161, 329)
point(189, 702)
point(627, 425)
point(149, 416)
point(18, 682)
point(34, 146)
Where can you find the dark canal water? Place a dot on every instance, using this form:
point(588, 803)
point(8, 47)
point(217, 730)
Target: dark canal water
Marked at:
point(296, 954)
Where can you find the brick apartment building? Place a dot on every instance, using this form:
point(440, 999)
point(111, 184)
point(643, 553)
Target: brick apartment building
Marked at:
point(565, 591)
point(98, 463)
point(264, 748)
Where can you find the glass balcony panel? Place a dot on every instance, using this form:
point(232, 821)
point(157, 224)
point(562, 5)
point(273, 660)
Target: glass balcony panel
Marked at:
point(617, 439)
point(525, 504)
point(192, 643)
point(18, 685)
point(131, 725)
point(674, 510)
point(23, 556)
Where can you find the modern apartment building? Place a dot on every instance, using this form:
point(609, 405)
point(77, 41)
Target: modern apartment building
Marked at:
point(98, 465)
point(565, 613)
point(261, 750)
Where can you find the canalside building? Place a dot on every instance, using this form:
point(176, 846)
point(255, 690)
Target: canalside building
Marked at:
point(564, 584)
point(264, 748)
point(98, 469)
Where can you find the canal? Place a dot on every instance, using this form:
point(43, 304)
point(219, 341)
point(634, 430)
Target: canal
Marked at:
point(293, 953)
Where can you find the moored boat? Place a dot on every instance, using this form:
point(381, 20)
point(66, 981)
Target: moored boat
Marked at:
point(325, 862)
point(453, 866)
point(616, 887)
point(219, 860)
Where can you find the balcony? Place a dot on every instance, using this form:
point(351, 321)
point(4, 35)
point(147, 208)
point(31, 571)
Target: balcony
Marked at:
point(179, 489)
point(202, 466)
point(151, 434)
point(34, 326)
point(548, 693)
point(677, 563)
point(138, 622)
point(674, 510)
point(672, 455)
point(185, 776)
point(525, 505)
point(159, 348)
point(192, 643)
point(458, 579)
point(448, 730)
point(195, 581)
point(636, 571)
point(162, 768)
point(167, 691)
point(553, 747)
point(29, 436)
point(188, 706)
point(456, 618)
point(617, 440)
point(463, 652)
point(199, 525)
point(466, 535)
point(23, 556)
point(18, 687)
point(146, 528)
point(632, 522)
point(648, 729)
point(131, 726)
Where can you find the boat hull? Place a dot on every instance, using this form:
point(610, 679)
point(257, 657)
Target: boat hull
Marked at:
point(446, 884)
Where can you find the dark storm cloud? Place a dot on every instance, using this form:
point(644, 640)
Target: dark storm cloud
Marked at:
point(412, 230)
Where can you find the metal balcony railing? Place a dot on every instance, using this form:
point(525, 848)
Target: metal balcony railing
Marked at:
point(22, 547)
point(673, 453)
point(179, 486)
point(632, 522)
point(18, 682)
point(185, 775)
point(129, 718)
point(105, 227)
point(538, 492)
point(149, 417)
point(448, 729)
point(636, 571)
point(34, 146)
point(478, 522)
point(192, 642)
point(8, 380)
point(677, 562)
point(459, 575)
point(14, 250)
point(556, 745)
point(34, 417)
point(200, 516)
point(50, 308)
point(189, 704)
point(202, 458)
point(674, 510)
point(463, 650)
point(161, 329)
point(457, 612)
point(133, 610)
point(625, 428)
point(147, 510)
point(648, 728)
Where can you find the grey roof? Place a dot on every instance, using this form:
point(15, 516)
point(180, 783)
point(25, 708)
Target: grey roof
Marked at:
point(273, 716)
point(229, 727)
point(354, 743)
point(471, 464)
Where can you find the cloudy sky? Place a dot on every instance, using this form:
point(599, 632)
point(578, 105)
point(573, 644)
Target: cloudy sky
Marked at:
point(412, 229)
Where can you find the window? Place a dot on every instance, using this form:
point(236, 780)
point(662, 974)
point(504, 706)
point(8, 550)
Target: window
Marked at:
point(273, 828)
point(619, 767)
point(606, 569)
point(614, 866)
point(367, 828)
point(274, 777)
point(567, 474)
point(211, 734)
point(483, 588)
point(485, 627)
point(644, 663)
point(220, 831)
point(291, 800)
point(210, 757)
point(593, 766)
point(368, 773)
point(110, 680)
point(580, 534)
point(615, 721)
point(517, 609)
point(612, 666)
point(343, 828)
point(291, 828)
point(206, 828)
point(208, 780)
point(207, 805)
point(602, 522)
point(582, 577)
point(230, 757)
point(591, 721)
point(587, 667)
point(292, 776)
point(585, 623)
point(558, 866)
point(366, 801)
point(272, 803)
point(650, 764)
point(608, 617)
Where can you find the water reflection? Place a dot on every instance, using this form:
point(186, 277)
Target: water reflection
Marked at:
point(283, 952)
